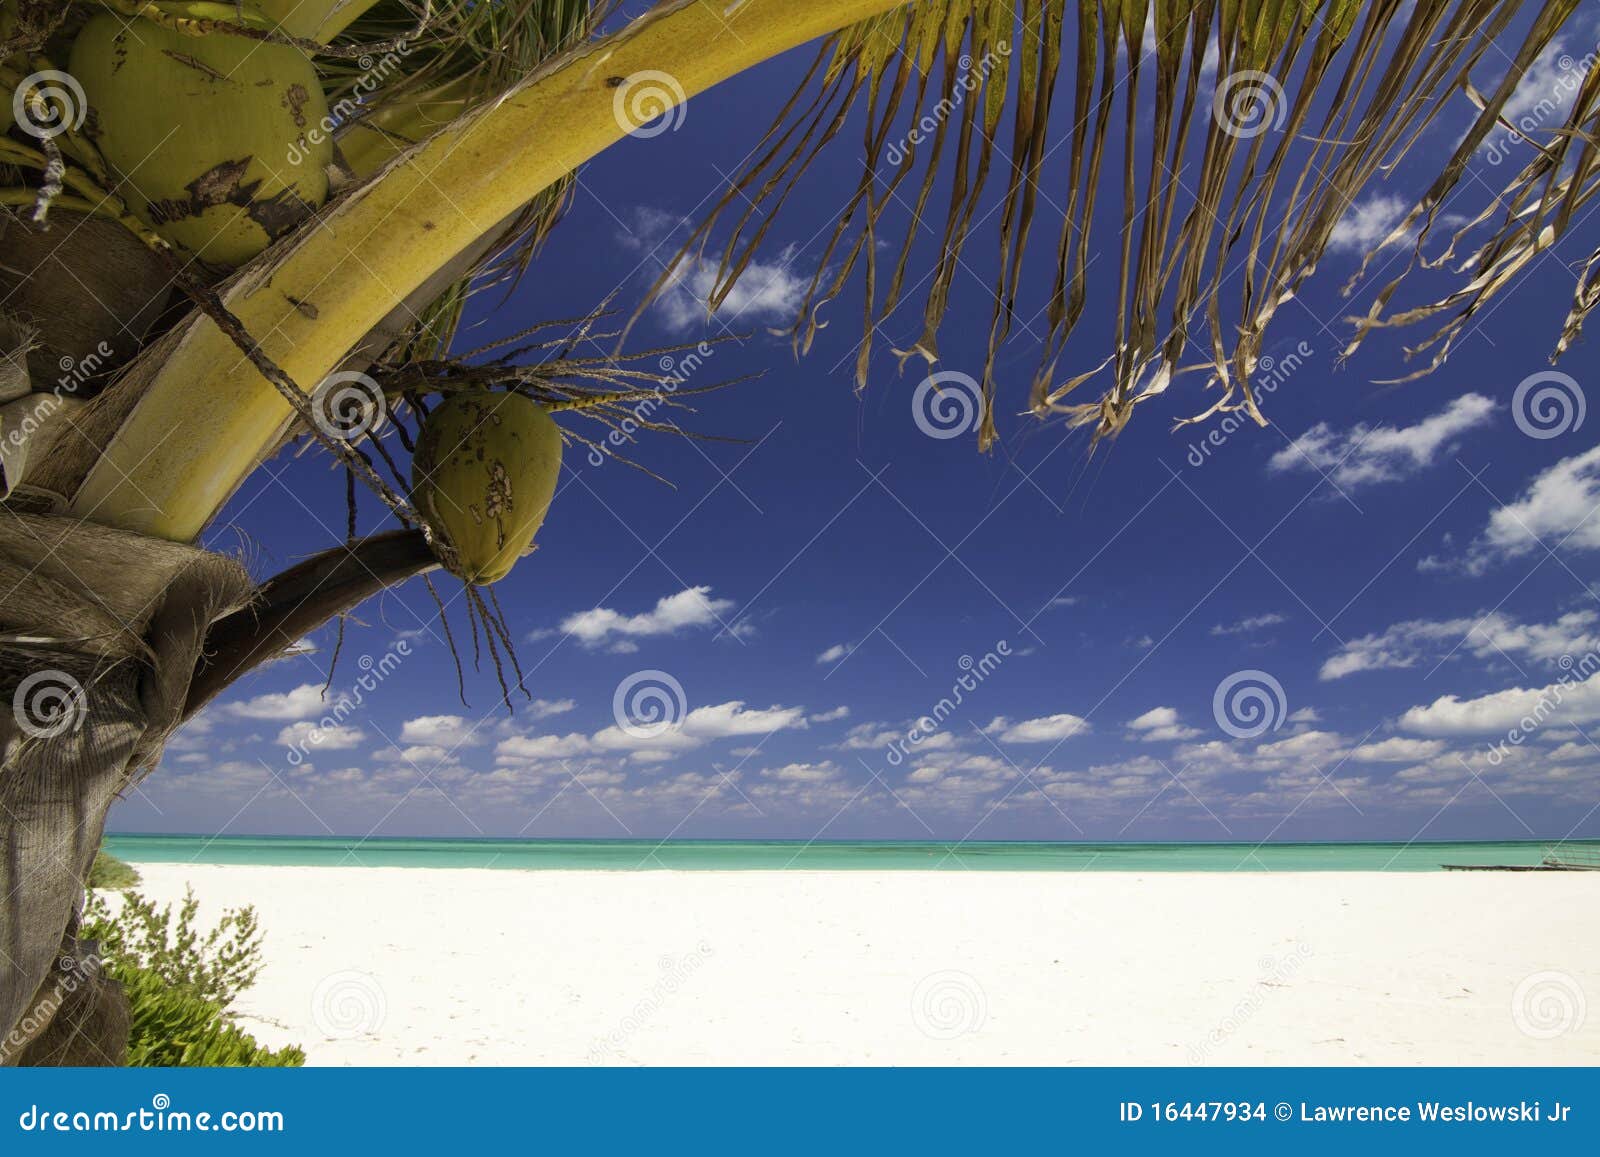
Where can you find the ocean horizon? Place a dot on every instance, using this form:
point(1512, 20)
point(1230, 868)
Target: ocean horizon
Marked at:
point(831, 855)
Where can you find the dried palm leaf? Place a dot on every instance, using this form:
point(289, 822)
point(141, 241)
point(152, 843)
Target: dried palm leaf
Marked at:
point(1235, 194)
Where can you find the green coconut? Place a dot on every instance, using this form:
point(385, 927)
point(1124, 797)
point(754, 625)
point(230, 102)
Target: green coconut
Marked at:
point(483, 475)
point(221, 141)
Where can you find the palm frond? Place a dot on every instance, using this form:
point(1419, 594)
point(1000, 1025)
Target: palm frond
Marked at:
point(1234, 197)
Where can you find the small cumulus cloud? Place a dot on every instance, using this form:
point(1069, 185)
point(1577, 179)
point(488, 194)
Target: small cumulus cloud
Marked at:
point(1046, 729)
point(301, 703)
point(804, 772)
point(1489, 635)
point(1251, 624)
point(307, 734)
point(1161, 725)
point(1519, 708)
point(1397, 749)
point(1364, 456)
point(766, 291)
point(689, 609)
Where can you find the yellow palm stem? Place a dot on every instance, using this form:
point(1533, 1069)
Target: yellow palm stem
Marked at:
point(207, 416)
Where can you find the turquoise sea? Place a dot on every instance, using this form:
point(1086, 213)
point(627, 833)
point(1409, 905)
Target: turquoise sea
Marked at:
point(732, 855)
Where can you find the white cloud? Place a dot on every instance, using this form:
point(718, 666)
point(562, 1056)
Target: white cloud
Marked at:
point(804, 772)
point(725, 719)
point(1557, 508)
point(1397, 749)
point(840, 712)
point(1247, 625)
point(881, 736)
point(1049, 728)
point(417, 754)
point(525, 747)
point(836, 652)
point(1364, 455)
point(1153, 718)
point(306, 734)
point(1489, 635)
point(440, 730)
point(544, 708)
point(688, 609)
point(1305, 715)
point(700, 726)
point(302, 703)
point(1367, 222)
point(1523, 708)
point(1540, 102)
point(1307, 745)
point(767, 291)
point(1161, 725)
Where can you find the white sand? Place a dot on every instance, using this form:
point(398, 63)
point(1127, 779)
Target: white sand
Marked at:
point(455, 966)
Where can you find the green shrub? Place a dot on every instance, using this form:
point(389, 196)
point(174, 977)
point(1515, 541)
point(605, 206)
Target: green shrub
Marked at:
point(173, 1027)
point(110, 874)
point(180, 982)
point(215, 967)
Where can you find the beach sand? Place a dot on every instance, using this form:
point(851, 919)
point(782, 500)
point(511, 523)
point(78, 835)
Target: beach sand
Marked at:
point(393, 966)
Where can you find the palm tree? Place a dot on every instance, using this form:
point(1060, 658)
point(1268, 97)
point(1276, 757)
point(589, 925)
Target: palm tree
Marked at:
point(224, 221)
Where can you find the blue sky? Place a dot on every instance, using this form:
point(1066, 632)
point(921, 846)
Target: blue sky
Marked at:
point(1392, 577)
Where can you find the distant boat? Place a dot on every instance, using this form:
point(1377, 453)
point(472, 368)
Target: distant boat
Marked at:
point(1572, 857)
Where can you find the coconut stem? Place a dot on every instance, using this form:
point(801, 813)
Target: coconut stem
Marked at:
point(300, 600)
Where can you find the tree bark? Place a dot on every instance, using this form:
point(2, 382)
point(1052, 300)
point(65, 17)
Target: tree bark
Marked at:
point(107, 642)
point(100, 631)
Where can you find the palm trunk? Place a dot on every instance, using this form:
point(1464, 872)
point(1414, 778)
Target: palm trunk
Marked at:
point(107, 642)
point(100, 631)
